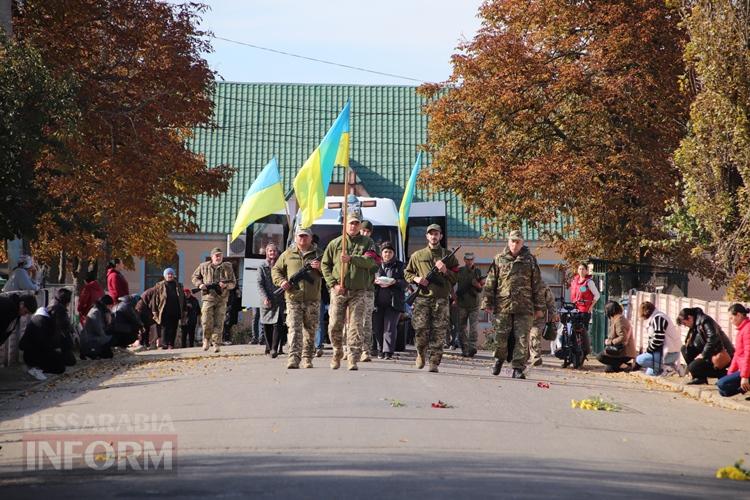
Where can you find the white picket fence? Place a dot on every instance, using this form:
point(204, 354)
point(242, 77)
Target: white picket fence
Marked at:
point(671, 306)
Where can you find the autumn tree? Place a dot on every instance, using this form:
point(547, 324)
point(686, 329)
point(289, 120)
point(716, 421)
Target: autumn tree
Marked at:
point(37, 113)
point(126, 179)
point(565, 110)
point(714, 157)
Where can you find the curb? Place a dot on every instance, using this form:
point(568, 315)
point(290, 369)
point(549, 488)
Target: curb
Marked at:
point(704, 393)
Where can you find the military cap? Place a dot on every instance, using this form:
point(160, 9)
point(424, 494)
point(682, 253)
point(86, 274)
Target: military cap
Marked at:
point(216, 250)
point(469, 256)
point(354, 215)
point(366, 224)
point(515, 235)
point(304, 230)
point(434, 227)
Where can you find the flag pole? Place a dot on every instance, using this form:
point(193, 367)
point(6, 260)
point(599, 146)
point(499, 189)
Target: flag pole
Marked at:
point(344, 211)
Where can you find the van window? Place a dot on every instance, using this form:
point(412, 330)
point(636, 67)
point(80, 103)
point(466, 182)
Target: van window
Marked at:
point(380, 234)
point(265, 233)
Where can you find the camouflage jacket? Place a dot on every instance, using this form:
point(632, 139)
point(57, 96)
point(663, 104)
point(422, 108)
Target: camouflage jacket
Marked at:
point(466, 293)
point(207, 273)
point(420, 264)
point(361, 268)
point(291, 261)
point(514, 284)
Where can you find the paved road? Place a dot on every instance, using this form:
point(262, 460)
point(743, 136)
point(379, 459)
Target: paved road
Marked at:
point(247, 427)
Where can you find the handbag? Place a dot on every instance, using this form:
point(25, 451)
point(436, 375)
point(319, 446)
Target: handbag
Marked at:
point(721, 360)
point(549, 332)
point(615, 350)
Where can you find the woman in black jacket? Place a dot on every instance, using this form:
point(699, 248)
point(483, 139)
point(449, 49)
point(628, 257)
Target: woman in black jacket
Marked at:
point(705, 339)
point(390, 285)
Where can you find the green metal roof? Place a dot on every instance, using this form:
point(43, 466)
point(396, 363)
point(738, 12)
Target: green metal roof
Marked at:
point(255, 121)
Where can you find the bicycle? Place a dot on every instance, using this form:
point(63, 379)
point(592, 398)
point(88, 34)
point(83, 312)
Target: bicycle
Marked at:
point(572, 343)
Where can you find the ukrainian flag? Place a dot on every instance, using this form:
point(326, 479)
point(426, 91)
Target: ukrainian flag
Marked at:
point(311, 183)
point(403, 211)
point(265, 196)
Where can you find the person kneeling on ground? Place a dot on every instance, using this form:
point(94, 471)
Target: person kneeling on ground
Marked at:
point(42, 346)
point(126, 323)
point(704, 345)
point(737, 379)
point(95, 341)
point(12, 307)
point(619, 346)
point(663, 341)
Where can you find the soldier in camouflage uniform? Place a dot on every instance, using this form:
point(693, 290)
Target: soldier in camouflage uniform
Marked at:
point(351, 291)
point(302, 299)
point(213, 304)
point(468, 289)
point(535, 336)
point(431, 315)
point(366, 230)
point(514, 293)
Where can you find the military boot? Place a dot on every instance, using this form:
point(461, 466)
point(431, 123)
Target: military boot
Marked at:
point(293, 364)
point(216, 348)
point(307, 363)
point(433, 368)
point(497, 367)
point(518, 373)
point(352, 363)
point(336, 359)
point(365, 357)
point(206, 344)
point(419, 363)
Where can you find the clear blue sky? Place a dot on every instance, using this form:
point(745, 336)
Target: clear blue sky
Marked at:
point(413, 38)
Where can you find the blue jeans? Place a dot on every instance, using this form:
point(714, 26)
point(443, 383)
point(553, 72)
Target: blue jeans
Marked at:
point(729, 385)
point(652, 360)
point(320, 333)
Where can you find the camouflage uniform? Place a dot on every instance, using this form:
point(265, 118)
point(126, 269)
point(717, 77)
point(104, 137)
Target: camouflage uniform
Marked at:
point(535, 337)
point(468, 307)
point(302, 302)
point(213, 305)
point(357, 282)
point(367, 320)
point(514, 291)
point(431, 314)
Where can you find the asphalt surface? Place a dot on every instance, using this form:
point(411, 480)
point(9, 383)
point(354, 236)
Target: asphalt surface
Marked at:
point(247, 427)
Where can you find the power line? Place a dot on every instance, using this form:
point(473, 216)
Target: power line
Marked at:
point(356, 68)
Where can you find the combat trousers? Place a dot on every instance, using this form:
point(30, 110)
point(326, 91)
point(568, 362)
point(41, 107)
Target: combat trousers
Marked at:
point(470, 316)
point(367, 321)
point(518, 325)
point(535, 340)
point(431, 319)
point(302, 321)
point(212, 320)
point(356, 301)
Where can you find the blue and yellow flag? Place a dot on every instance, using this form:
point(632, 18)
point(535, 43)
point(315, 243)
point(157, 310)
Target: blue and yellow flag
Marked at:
point(311, 183)
point(403, 211)
point(265, 196)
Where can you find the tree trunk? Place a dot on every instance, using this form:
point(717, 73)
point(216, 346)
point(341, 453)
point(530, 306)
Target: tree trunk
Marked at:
point(62, 267)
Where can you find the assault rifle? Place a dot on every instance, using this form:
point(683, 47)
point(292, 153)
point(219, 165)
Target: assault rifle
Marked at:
point(433, 277)
point(294, 279)
point(213, 286)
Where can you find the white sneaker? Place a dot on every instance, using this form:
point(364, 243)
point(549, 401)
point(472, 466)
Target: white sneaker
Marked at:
point(37, 374)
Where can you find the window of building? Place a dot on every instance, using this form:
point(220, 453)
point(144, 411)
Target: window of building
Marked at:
point(155, 271)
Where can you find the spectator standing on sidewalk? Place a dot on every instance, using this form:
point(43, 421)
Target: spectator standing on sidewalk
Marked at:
point(117, 285)
point(168, 307)
point(192, 312)
point(220, 276)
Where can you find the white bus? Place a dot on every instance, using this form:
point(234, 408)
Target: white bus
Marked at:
point(381, 212)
